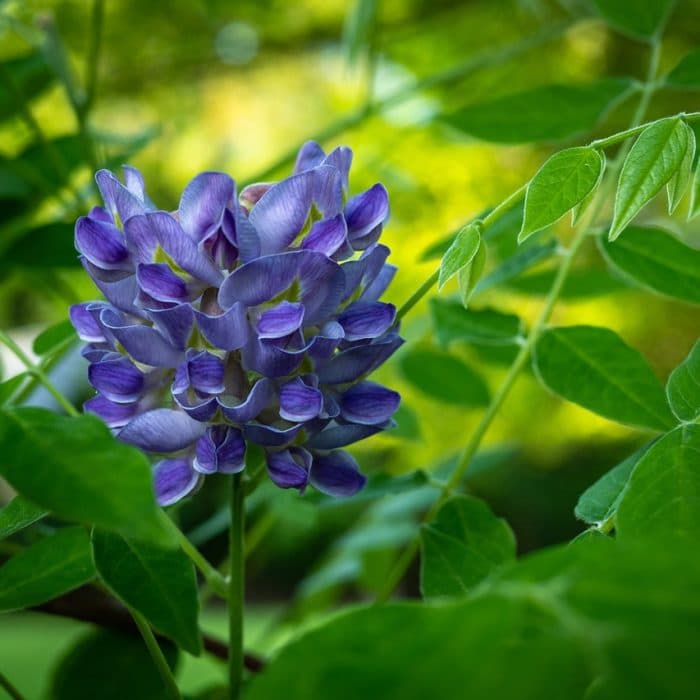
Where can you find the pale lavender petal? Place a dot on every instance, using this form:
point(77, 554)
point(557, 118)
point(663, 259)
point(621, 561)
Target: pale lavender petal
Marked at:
point(203, 202)
point(117, 198)
point(340, 158)
point(336, 474)
point(378, 286)
point(85, 323)
point(121, 294)
point(328, 190)
point(362, 272)
point(289, 469)
point(366, 211)
point(362, 320)
point(369, 403)
point(310, 155)
point(173, 479)
point(280, 321)
point(270, 435)
point(101, 243)
point(326, 236)
point(247, 239)
point(162, 430)
point(115, 415)
point(117, 380)
point(259, 398)
point(221, 449)
point(228, 331)
point(349, 365)
point(299, 402)
point(175, 323)
point(161, 283)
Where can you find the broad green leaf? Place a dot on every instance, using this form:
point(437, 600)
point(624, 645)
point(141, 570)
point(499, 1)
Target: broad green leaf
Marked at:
point(76, 469)
point(111, 665)
point(583, 608)
point(687, 73)
point(53, 337)
point(656, 260)
point(600, 500)
point(683, 387)
point(662, 498)
point(564, 180)
point(595, 368)
point(159, 583)
point(652, 161)
point(50, 567)
point(453, 322)
point(462, 546)
point(510, 268)
point(694, 195)
point(444, 377)
point(10, 386)
point(358, 28)
point(581, 283)
point(640, 19)
point(547, 113)
point(18, 514)
point(462, 251)
point(54, 241)
point(29, 76)
point(678, 184)
point(470, 274)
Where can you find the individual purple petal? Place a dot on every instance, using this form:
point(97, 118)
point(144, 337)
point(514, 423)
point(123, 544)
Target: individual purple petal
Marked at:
point(280, 321)
point(342, 434)
point(144, 343)
point(340, 158)
point(349, 365)
point(259, 398)
point(173, 479)
point(85, 323)
point(97, 353)
point(247, 238)
point(175, 323)
point(115, 415)
point(270, 435)
point(121, 293)
point(299, 402)
point(221, 449)
point(228, 331)
point(328, 190)
point(331, 407)
point(326, 340)
point(363, 271)
point(117, 198)
point(133, 180)
point(206, 372)
point(310, 155)
point(366, 211)
point(272, 360)
point(118, 380)
point(100, 214)
point(369, 403)
point(101, 243)
point(251, 194)
point(201, 410)
point(203, 203)
point(336, 474)
point(378, 286)
point(326, 236)
point(289, 469)
point(367, 240)
point(161, 283)
point(162, 430)
point(282, 211)
point(362, 320)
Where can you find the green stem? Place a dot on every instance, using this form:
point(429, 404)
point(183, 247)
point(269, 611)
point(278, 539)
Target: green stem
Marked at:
point(9, 688)
point(39, 374)
point(156, 653)
point(236, 587)
point(521, 359)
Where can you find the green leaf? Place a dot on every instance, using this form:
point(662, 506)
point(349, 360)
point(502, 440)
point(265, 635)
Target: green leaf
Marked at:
point(547, 113)
point(76, 469)
point(600, 500)
point(29, 75)
point(564, 180)
point(695, 195)
point(55, 241)
point(453, 322)
point(444, 377)
point(49, 568)
point(657, 261)
point(358, 28)
point(678, 184)
point(159, 583)
point(662, 498)
point(18, 514)
point(53, 337)
point(510, 268)
point(111, 665)
point(652, 161)
point(581, 283)
point(687, 73)
point(683, 387)
point(640, 19)
point(462, 251)
point(462, 546)
point(596, 369)
point(470, 274)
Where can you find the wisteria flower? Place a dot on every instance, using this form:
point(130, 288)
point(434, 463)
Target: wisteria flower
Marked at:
point(251, 317)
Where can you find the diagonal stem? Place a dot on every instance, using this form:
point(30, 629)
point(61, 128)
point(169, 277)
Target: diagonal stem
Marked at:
point(236, 587)
point(9, 688)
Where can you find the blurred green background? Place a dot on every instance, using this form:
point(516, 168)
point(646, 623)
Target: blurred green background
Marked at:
point(236, 86)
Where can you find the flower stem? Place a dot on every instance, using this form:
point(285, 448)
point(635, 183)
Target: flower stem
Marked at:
point(236, 587)
point(156, 653)
point(9, 688)
point(39, 373)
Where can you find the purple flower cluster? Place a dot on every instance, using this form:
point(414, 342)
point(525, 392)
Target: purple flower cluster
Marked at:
point(241, 318)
